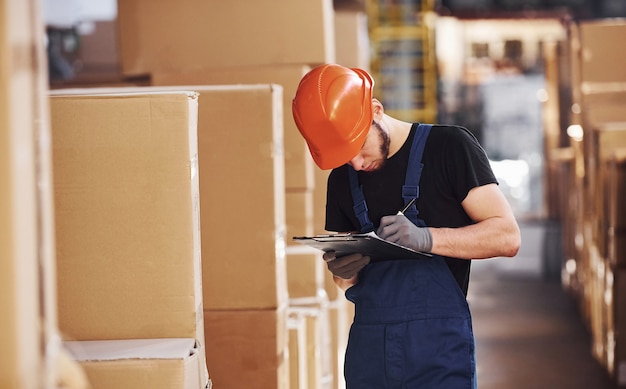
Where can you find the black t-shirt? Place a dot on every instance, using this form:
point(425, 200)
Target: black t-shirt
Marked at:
point(454, 163)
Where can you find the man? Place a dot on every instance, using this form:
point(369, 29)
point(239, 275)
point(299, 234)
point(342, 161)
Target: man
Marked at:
point(412, 326)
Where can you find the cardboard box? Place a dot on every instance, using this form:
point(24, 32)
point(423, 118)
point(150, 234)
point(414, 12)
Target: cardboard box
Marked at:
point(605, 139)
point(309, 348)
point(601, 58)
point(98, 52)
point(319, 201)
point(242, 190)
point(299, 214)
point(127, 215)
point(141, 363)
point(28, 321)
point(127, 220)
point(615, 208)
point(248, 348)
point(305, 273)
point(191, 34)
point(352, 43)
point(340, 314)
point(299, 165)
point(615, 342)
point(246, 161)
point(602, 106)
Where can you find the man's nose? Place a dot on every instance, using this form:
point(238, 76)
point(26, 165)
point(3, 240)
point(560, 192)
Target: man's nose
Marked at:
point(356, 163)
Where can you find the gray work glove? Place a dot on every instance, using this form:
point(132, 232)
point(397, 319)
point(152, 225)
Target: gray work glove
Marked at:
point(346, 266)
point(400, 230)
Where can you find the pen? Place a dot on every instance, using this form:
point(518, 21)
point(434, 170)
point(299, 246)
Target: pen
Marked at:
point(406, 207)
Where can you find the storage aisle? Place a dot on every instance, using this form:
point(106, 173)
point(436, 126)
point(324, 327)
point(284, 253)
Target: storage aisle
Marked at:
point(529, 332)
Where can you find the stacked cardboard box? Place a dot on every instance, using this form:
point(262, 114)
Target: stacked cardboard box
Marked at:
point(30, 349)
point(242, 229)
point(598, 95)
point(128, 237)
point(242, 189)
point(615, 207)
point(299, 168)
point(198, 43)
point(216, 34)
point(242, 226)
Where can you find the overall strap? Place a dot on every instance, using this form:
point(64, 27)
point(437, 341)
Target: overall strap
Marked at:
point(360, 208)
point(411, 189)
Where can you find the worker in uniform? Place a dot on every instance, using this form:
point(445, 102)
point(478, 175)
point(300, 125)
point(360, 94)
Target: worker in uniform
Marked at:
point(412, 326)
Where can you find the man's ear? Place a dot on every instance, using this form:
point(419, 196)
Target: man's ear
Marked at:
point(377, 108)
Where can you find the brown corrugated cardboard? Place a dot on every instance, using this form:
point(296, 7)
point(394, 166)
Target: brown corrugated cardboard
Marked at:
point(603, 107)
point(616, 323)
point(305, 273)
point(605, 139)
point(190, 34)
point(615, 208)
point(299, 166)
point(340, 313)
point(242, 192)
point(310, 345)
point(126, 195)
point(600, 61)
point(141, 363)
point(246, 162)
point(352, 43)
point(319, 201)
point(298, 371)
point(28, 323)
point(247, 348)
point(299, 213)
point(127, 216)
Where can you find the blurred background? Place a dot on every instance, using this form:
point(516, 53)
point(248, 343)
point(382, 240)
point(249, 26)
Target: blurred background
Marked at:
point(540, 83)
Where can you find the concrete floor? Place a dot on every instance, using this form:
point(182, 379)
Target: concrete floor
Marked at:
point(529, 333)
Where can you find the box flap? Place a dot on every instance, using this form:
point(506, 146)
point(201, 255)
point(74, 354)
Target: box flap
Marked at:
point(103, 350)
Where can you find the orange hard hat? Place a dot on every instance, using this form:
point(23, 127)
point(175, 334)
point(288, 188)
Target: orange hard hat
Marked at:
point(333, 110)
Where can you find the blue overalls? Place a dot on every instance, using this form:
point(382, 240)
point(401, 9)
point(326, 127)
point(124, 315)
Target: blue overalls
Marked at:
point(412, 327)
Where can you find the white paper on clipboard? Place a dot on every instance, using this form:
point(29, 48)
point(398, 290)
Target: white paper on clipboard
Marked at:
point(368, 244)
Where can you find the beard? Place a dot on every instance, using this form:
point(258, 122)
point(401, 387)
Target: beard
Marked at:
point(385, 141)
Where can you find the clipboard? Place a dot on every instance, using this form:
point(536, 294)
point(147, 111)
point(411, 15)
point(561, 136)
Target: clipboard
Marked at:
point(368, 244)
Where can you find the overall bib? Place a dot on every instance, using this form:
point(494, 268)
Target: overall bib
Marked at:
point(412, 327)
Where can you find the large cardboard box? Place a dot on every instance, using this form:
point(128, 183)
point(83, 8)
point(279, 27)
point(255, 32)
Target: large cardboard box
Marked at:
point(352, 43)
point(305, 274)
point(127, 216)
point(615, 342)
point(28, 323)
point(601, 60)
point(299, 166)
point(242, 192)
point(340, 314)
point(140, 363)
point(248, 348)
point(298, 213)
point(242, 195)
point(319, 201)
point(615, 208)
point(188, 34)
point(605, 139)
point(603, 106)
point(310, 354)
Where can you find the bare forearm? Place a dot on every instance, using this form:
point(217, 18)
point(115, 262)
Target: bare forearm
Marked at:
point(495, 237)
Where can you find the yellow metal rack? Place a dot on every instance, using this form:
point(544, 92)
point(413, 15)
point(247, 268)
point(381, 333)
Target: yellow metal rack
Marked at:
point(403, 57)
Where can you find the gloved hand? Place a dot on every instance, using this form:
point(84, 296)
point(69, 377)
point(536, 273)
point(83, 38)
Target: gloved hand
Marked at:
point(400, 230)
point(347, 266)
